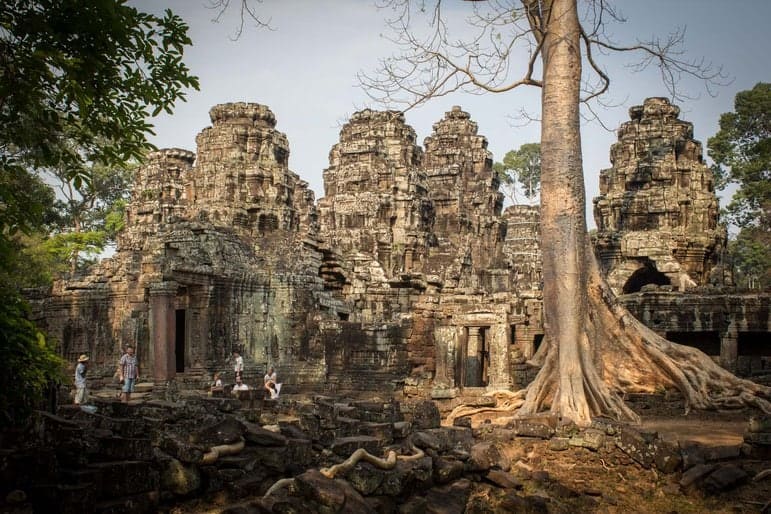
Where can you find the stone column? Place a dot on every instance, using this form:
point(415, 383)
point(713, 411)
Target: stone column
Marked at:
point(729, 348)
point(499, 370)
point(162, 332)
point(444, 379)
point(473, 358)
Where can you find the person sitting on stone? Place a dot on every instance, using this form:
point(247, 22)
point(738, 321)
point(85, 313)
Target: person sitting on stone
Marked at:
point(240, 386)
point(216, 385)
point(271, 383)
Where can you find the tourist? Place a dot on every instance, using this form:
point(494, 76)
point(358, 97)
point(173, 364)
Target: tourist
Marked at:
point(238, 366)
point(216, 385)
point(240, 386)
point(81, 391)
point(271, 383)
point(129, 373)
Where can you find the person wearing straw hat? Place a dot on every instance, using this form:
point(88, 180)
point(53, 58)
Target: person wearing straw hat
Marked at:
point(81, 392)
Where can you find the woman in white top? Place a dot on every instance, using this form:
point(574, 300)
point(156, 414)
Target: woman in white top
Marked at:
point(271, 383)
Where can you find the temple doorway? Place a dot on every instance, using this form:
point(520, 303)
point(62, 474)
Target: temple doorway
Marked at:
point(179, 340)
point(476, 365)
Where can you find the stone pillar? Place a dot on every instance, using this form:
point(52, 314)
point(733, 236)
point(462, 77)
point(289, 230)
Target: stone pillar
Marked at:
point(446, 340)
point(729, 348)
point(500, 369)
point(473, 358)
point(162, 332)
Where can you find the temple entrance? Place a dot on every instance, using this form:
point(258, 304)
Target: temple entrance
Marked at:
point(648, 274)
point(179, 340)
point(476, 365)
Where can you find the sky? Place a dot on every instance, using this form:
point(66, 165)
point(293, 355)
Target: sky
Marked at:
point(304, 69)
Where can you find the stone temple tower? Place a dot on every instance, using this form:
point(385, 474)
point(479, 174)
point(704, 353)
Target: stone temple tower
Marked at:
point(657, 213)
point(376, 199)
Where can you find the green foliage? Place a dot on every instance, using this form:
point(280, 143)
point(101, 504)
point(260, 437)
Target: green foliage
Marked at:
point(78, 82)
point(521, 168)
point(90, 212)
point(30, 363)
point(741, 151)
point(752, 258)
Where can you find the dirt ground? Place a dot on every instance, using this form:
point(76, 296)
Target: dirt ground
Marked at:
point(608, 481)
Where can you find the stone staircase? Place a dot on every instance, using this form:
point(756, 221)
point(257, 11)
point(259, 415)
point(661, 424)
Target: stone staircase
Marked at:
point(104, 462)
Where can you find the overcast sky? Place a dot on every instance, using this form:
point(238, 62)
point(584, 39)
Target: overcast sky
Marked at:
point(305, 71)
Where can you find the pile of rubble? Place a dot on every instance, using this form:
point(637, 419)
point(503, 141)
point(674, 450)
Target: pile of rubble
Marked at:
point(332, 454)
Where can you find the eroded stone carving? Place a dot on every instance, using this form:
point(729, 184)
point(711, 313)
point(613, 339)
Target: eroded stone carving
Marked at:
point(657, 210)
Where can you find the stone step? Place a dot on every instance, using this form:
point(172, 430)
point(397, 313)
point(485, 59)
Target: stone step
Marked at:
point(133, 504)
point(62, 498)
point(125, 448)
point(124, 478)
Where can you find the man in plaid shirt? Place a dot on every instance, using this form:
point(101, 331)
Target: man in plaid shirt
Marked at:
point(129, 373)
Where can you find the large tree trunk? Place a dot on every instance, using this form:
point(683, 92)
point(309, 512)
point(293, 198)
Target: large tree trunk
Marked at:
point(563, 222)
point(596, 349)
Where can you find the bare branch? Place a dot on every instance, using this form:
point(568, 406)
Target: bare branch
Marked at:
point(605, 80)
point(432, 62)
point(246, 11)
point(503, 52)
point(667, 54)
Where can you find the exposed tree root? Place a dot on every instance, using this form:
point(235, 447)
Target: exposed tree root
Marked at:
point(215, 452)
point(284, 482)
point(363, 455)
point(505, 401)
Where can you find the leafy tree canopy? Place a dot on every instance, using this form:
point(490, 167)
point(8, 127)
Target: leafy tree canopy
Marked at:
point(522, 167)
point(741, 151)
point(78, 81)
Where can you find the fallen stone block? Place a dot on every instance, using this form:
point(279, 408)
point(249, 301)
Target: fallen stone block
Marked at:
point(345, 446)
point(633, 444)
point(725, 478)
point(125, 478)
point(591, 439)
point(696, 473)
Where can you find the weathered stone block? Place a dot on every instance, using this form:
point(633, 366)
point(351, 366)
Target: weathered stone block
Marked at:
point(486, 455)
point(255, 434)
point(590, 439)
point(666, 456)
point(724, 478)
point(273, 458)
point(383, 432)
point(425, 415)
point(116, 479)
point(365, 478)
point(402, 429)
point(447, 470)
point(345, 446)
point(178, 478)
point(526, 428)
point(180, 449)
point(634, 445)
point(696, 473)
point(119, 448)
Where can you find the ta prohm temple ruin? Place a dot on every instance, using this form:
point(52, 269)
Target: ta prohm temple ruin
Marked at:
point(407, 280)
